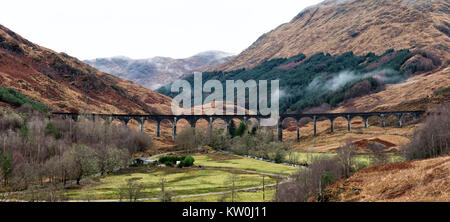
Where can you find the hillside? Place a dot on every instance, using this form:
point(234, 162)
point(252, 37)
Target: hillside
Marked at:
point(424, 92)
point(155, 72)
point(64, 83)
point(421, 180)
point(348, 56)
point(333, 81)
point(361, 26)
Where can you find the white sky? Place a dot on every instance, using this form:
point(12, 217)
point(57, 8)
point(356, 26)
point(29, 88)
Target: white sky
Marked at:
point(90, 29)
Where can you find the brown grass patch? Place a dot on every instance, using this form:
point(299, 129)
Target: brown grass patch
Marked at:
point(387, 167)
point(420, 180)
point(436, 164)
point(292, 128)
point(437, 173)
point(392, 193)
point(364, 143)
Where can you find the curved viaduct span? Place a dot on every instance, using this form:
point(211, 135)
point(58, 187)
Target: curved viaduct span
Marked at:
point(192, 119)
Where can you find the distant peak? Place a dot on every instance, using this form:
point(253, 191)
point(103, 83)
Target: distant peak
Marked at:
point(215, 53)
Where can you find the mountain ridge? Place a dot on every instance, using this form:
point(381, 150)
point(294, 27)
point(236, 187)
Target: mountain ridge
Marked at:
point(157, 71)
point(361, 26)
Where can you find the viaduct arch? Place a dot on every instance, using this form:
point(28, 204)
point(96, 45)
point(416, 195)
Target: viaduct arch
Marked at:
point(192, 119)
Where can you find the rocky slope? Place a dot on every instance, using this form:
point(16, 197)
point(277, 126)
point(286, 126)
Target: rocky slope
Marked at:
point(158, 71)
point(64, 83)
point(361, 26)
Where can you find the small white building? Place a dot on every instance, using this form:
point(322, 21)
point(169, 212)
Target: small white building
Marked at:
point(143, 161)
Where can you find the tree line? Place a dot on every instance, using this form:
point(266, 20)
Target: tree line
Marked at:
point(36, 151)
point(244, 139)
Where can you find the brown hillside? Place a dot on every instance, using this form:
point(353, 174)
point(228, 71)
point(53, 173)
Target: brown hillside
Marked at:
point(361, 26)
point(66, 84)
point(422, 180)
point(415, 93)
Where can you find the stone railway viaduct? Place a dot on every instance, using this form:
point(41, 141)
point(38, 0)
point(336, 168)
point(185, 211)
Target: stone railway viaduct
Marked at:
point(192, 119)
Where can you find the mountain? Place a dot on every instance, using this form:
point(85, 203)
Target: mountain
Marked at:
point(352, 55)
point(361, 26)
point(336, 80)
point(157, 71)
point(64, 83)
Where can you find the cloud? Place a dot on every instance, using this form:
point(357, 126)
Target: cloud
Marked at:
point(344, 77)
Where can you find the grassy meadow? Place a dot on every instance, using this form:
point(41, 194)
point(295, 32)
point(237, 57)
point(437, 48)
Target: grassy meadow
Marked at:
point(214, 175)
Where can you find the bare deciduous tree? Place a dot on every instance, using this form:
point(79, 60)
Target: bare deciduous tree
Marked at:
point(83, 162)
point(345, 156)
point(166, 195)
point(132, 190)
point(432, 138)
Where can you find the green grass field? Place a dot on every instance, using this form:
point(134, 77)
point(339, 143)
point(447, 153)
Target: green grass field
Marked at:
point(241, 196)
point(213, 176)
point(308, 157)
point(244, 196)
point(183, 181)
point(242, 163)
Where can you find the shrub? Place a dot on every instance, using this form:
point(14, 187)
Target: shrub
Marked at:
point(377, 149)
point(191, 138)
point(51, 130)
point(117, 88)
point(432, 138)
point(6, 166)
point(10, 121)
point(232, 128)
point(132, 190)
point(345, 156)
point(141, 141)
point(445, 91)
point(16, 98)
point(219, 140)
point(241, 129)
point(308, 184)
point(187, 162)
point(279, 156)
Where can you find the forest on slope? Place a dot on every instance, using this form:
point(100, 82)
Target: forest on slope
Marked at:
point(328, 80)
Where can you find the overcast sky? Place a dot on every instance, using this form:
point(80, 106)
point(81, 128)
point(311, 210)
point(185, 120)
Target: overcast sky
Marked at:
point(141, 29)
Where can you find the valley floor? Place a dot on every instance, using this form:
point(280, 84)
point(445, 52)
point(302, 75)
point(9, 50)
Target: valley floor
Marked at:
point(208, 180)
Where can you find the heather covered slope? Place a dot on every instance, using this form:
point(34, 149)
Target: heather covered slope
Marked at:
point(361, 26)
point(424, 91)
point(421, 180)
point(64, 83)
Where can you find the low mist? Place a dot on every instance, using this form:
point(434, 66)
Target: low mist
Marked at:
point(344, 77)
